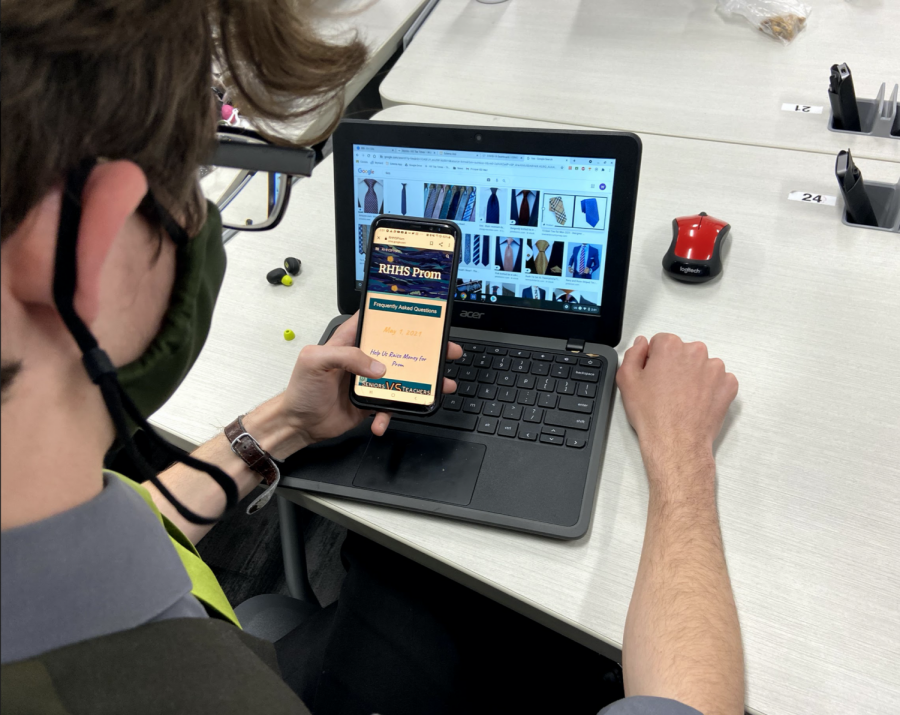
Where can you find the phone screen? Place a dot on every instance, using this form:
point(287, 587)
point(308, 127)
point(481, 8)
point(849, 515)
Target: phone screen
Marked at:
point(407, 290)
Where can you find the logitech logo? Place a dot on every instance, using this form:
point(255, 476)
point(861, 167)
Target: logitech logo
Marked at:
point(470, 314)
point(688, 269)
point(365, 171)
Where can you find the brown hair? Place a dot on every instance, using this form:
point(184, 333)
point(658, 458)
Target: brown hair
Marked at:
point(131, 79)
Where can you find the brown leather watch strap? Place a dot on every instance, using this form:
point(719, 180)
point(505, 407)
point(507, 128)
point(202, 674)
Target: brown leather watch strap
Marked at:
point(248, 449)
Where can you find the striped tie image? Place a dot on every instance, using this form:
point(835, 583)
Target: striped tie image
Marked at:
point(470, 206)
point(556, 206)
point(432, 199)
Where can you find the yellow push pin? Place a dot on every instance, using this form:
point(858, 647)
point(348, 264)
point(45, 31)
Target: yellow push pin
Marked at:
point(287, 280)
point(289, 334)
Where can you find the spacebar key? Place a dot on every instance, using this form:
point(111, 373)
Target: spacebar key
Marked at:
point(444, 418)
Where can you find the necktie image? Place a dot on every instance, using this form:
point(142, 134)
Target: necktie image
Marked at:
point(370, 203)
point(467, 249)
point(492, 214)
point(454, 202)
point(476, 249)
point(432, 200)
point(439, 204)
point(540, 260)
point(363, 238)
point(470, 206)
point(535, 292)
point(403, 200)
point(524, 211)
point(581, 258)
point(590, 211)
point(508, 256)
point(461, 206)
point(556, 206)
point(448, 199)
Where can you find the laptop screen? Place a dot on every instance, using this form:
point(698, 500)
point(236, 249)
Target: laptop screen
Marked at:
point(535, 228)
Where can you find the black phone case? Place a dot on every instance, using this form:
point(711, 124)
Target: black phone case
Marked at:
point(410, 224)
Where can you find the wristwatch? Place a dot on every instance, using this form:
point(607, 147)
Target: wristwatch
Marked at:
point(259, 460)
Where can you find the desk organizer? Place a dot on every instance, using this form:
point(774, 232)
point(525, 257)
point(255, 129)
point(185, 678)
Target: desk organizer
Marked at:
point(877, 117)
point(885, 200)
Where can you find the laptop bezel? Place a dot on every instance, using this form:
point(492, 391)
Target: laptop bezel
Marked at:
point(624, 147)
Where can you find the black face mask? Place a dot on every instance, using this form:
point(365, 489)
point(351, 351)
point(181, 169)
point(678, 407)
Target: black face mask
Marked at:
point(199, 272)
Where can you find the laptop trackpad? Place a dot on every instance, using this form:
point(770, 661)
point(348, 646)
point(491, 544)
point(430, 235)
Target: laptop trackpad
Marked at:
point(420, 466)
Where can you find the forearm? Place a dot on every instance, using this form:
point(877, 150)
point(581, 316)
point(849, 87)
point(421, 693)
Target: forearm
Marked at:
point(682, 636)
point(198, 492)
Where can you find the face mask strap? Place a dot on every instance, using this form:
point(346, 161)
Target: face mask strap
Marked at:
point(97, 363)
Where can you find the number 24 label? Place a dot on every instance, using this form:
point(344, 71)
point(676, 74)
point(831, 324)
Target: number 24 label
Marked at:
point(810, 198)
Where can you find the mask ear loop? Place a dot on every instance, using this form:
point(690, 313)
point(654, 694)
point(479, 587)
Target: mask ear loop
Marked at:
point(97, 363)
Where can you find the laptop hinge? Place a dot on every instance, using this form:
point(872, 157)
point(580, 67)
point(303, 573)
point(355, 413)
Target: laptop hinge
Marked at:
point(575, 345)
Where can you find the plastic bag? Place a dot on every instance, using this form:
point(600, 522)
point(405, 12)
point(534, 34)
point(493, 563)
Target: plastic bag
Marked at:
point(781, 19)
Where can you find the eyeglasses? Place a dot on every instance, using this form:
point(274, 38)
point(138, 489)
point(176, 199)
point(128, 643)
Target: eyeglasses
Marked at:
point(250, 179)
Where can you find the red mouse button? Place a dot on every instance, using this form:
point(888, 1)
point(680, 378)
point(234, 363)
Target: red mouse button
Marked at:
point(697, 236)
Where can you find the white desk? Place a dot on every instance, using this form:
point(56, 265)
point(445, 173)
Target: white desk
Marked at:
point(675, 68)
point(809, 470)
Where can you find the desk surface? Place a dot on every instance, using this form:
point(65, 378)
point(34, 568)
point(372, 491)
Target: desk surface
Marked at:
point(805, 315)
point(675, 68)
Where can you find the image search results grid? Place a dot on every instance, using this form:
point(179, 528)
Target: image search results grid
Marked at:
point(535, 228)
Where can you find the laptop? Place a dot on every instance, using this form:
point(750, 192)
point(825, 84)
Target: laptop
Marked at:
point(547, 219)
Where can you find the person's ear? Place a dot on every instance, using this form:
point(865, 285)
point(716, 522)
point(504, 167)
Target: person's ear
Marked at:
point(111, 195)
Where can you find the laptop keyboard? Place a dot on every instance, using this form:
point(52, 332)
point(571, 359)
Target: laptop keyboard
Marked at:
point(536, 396)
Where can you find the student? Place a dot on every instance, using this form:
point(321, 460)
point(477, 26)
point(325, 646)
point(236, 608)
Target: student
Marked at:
point(106, 116)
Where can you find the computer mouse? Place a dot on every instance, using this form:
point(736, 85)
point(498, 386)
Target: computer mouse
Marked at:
point(695, 254)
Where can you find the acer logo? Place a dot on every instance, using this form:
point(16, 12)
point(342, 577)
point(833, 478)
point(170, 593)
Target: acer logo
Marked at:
point(470, 314)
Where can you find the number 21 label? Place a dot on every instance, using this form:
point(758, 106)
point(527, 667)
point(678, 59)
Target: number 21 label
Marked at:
point(801, 108)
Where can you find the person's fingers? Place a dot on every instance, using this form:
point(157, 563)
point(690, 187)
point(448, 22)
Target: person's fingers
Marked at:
point(636, 355)
point(449, 386)
point(320, 358)
point(380, 423)
point(346, 332)
point(661, 341)
point(699, 348)
point(731, 385)
point(454, 351)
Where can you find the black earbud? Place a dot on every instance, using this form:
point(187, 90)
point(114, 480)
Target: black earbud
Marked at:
point(292, 265)
point(274, 276)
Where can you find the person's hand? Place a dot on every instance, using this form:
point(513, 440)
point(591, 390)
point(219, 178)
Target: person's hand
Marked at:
point(675, 397)
point(317, 399)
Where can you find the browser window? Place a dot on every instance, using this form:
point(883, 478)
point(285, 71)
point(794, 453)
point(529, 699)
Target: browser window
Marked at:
point(535, 228)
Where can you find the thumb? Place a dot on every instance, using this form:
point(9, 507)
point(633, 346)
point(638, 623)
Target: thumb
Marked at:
point(336, 357)
point(636, 355)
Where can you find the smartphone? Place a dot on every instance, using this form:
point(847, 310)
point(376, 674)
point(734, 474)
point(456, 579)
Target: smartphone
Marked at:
point(404, 314)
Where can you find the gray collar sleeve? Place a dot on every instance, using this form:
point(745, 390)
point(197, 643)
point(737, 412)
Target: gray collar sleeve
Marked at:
point(104, 566)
